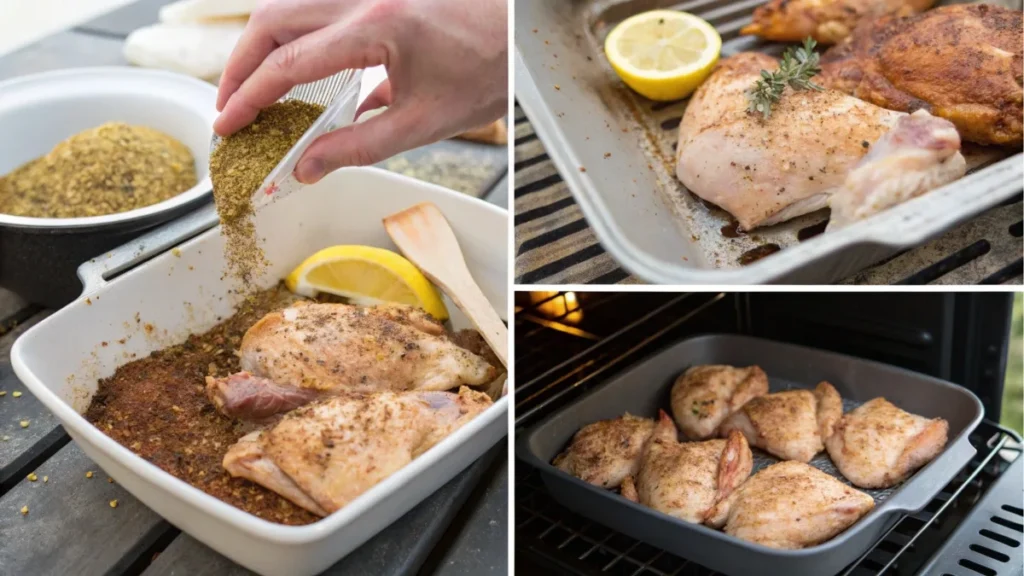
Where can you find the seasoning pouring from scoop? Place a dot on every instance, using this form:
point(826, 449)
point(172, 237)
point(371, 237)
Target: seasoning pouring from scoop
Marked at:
point(425, 238)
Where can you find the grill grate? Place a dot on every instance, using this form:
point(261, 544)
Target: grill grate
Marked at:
point(566, 342)
point(555, 245)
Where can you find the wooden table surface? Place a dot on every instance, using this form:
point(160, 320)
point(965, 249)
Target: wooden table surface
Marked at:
point(70, 527)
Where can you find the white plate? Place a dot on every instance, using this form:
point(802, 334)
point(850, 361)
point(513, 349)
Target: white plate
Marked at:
point(61, 358)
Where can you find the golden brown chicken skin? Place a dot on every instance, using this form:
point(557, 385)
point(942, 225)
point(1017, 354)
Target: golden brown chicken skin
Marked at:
point(827, 21)
point(961, 62)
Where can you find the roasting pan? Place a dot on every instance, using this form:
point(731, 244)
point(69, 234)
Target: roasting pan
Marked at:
point(644, 388)
point(616, 152)
point(181, 291)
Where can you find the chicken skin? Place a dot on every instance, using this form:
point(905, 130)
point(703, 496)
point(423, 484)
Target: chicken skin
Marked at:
point(920, 154)
point(790, 505)
point(310, 351)
point(687, 479)
point(827, 21)
point(767, 170)
point(790, 425)
point(324, 455)
point(703, 396)
point(961, 62)
point(606, 452)
point(878, 445)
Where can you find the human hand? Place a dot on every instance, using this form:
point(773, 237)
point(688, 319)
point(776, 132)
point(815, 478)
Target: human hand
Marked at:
point(447, 63)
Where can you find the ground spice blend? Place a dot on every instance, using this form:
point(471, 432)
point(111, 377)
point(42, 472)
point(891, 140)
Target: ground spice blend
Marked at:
point(112, 168)
point(240, 164)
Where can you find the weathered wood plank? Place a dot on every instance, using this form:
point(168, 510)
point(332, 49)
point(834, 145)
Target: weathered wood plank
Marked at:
point(60, 51)
point(123, 21)
point(19, 447)
point(70, 527)
point(399, 549)
point(480, 542)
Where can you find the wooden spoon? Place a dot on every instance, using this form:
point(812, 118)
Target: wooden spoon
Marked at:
point(425, 238)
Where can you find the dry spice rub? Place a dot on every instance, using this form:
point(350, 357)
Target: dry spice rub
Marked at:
point(156, 407)
point(112, 168)
point(240, 164)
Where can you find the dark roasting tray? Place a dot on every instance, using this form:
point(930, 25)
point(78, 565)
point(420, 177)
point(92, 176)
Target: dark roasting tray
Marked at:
point(644, 388)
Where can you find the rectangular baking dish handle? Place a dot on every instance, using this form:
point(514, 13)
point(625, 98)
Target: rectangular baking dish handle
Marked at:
point(95, 272)
point(930, 481)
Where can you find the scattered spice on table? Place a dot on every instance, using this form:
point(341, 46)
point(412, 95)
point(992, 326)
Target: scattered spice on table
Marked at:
point(24, 423)
point(46, 479)
point(3, 393)
point(115, 167)
point(88, 474)
point(32, 477)
point(16, 394)
point(239, 165)
point(113, 503)
point(24, 510)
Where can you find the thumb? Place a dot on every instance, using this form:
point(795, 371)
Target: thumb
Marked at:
point(395, 130)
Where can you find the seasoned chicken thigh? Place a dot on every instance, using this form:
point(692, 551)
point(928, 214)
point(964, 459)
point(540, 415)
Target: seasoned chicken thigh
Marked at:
point(963, 62)
point(324, 455)
point(606, 452)
point(768, 170)
point(790, 505)
point(919, 154)
point(878, 445)
point(310, 350)
point(703, 396)
point(791, 425)
point(687, 479)
point(827, 21)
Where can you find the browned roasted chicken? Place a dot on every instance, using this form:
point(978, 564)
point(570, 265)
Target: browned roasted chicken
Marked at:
point(827, 21)
point(705, 395)
point(791, 425)
point(324, 455)
point(687, 479)
point(790, 505)
point(961, 62)
point(606, 452)
point(309, 351)
point(878, 445)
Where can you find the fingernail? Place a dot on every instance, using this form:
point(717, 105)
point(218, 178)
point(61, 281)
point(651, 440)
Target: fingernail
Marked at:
point(310, 171)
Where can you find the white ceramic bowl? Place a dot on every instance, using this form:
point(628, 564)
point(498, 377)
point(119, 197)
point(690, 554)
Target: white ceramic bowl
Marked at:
point(61, 358)
point(44, 109)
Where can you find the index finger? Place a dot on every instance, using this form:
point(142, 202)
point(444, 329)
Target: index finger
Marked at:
point(253, 47)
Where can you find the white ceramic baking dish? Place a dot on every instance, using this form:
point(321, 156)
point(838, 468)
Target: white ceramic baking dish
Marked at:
point(181, 291)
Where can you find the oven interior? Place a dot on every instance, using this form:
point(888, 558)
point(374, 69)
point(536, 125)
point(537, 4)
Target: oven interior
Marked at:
point(569, 342)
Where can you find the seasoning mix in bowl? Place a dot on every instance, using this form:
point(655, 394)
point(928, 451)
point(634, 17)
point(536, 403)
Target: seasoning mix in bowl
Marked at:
point(113, 168)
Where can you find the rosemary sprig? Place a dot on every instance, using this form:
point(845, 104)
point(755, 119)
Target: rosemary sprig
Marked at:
point(796, 70)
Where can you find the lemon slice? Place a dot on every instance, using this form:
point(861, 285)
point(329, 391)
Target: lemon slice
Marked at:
point(367, 276)
point(663, 54)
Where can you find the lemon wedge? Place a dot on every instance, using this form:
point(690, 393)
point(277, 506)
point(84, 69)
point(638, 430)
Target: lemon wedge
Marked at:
point(367, 276)
point(663, 54)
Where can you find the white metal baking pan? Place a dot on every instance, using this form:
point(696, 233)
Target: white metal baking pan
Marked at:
point(614, 149)
point(181, 291)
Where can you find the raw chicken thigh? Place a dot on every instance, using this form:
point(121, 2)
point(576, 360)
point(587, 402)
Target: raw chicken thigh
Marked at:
point(606, 452)
point(878, 445)
point(790, 505)
point(687, 479)
point(790, 425)
point(768, 170)
point(324, 455)
point(309, 351)
point(921, 153)
point(703, 396)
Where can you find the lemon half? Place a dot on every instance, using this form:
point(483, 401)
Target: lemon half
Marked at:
point(663, 54)
point(367, 276)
